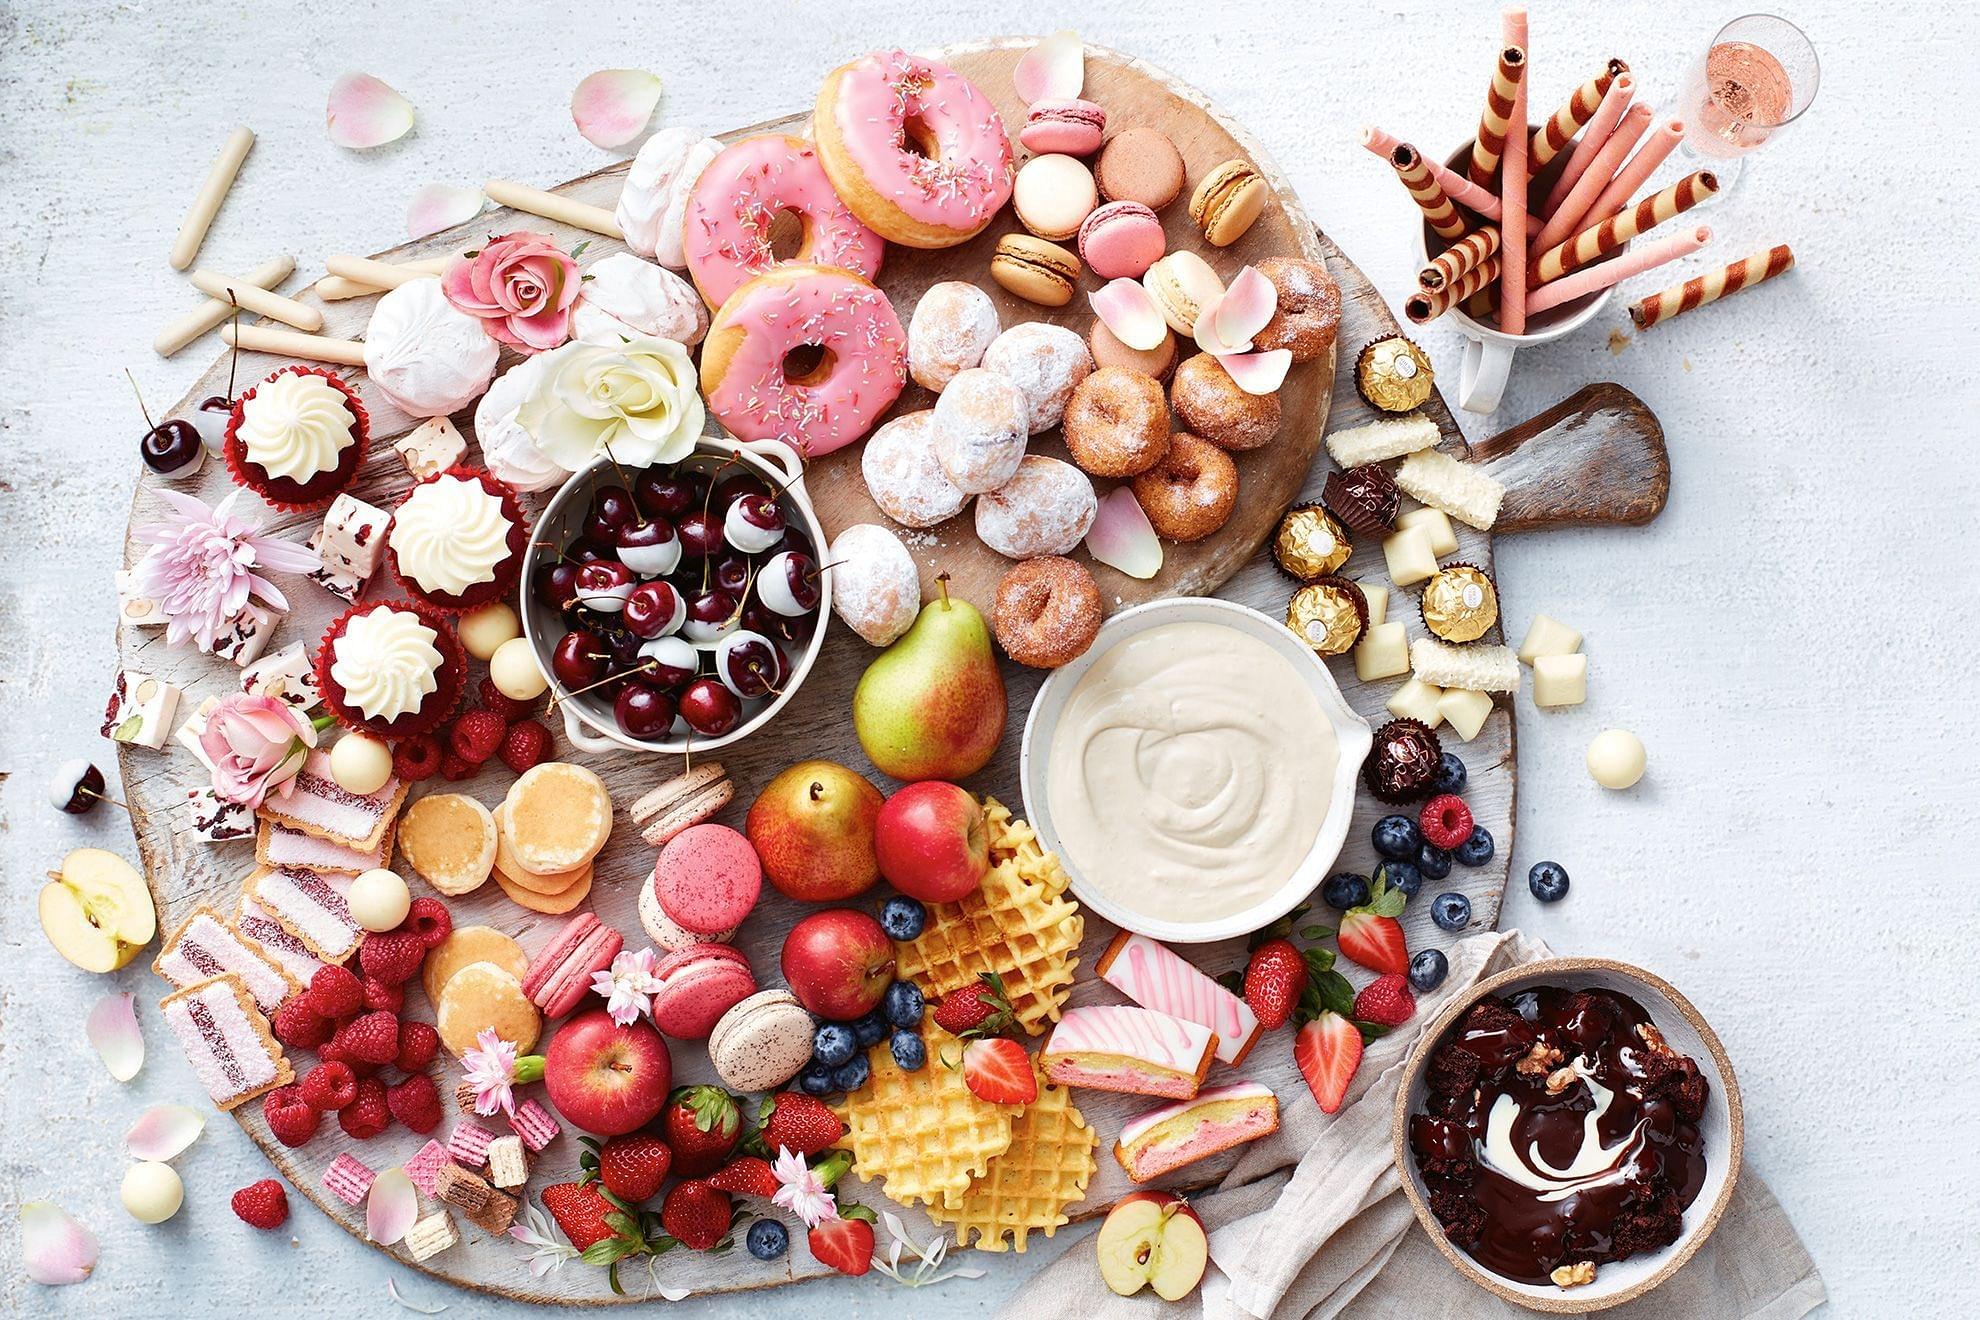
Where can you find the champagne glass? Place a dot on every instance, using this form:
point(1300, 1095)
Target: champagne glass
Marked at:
point(1758, 76)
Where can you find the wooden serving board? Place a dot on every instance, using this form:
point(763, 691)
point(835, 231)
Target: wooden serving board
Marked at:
point(184, 873)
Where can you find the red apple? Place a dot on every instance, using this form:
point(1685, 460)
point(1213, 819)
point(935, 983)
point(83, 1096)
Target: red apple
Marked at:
point(1152, 1238)
point(838, 963)
point(605, 1078)
point(932, 842)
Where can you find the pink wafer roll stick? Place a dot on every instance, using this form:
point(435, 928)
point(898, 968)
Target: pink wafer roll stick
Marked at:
point(1513, 179)
point(1598, 240)
point(1458, 188)
point(1490, 145)
point(1568, 217)
point(1457, 260)
point(1615, 102)
point(1710, 287)
point(1430, 304)
point(1551, 138)
point(1633, 262)
point(1428, 193)
point(1614, 199)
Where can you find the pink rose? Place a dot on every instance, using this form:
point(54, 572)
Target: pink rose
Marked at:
point(257, 745)
point(521, 285)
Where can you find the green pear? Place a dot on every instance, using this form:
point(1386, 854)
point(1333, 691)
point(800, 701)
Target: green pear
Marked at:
point(931, 706)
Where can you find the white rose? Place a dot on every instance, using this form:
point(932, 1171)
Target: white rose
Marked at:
point(640, 400)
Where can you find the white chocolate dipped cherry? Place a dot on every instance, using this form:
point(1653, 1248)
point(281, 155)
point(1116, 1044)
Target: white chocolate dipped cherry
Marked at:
point(76, 787)
point(788, 584)
point(669, 662)
point(754, 523)
point(604, 585)
point(210, 419)
point(711, 616)
point(655, 609)
point(649, 548)
point(749, 664)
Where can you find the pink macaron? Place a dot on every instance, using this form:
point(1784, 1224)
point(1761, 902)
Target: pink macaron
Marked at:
point(1070, 126)
point(697, 986)
point(1121, 240)
point(707, 878)
point(560, 975)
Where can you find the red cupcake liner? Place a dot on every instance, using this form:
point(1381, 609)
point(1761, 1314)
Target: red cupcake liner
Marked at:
point(298, 496)
point(507, 573)
point(451, 679)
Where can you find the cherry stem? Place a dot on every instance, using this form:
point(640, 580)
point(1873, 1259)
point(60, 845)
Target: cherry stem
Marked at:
point(625, 482)
point(149, 425)
point(646, 668)
point(105, 797)
point(234, 354)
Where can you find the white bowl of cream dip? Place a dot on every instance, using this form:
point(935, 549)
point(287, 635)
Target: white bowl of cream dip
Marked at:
point(1195, 769)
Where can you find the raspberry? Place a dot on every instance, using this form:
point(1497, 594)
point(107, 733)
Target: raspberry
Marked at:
point(391, 956)
point(289, 1116)
point(415, 1102)
point(455, 769)
point(373, 1038)
point(416, 758)
point(328, 1086)
point(263, 1204)
point(501, 703)
point(383, 998)
point(334, 992)
point(476, 735)
point(526, 744)
point(369, 1114)
point(418, 1043)
point(429, 919)
point(299, 1026)
point(1445, 820)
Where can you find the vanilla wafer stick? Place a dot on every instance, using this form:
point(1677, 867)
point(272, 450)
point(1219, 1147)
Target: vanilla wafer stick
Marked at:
point(1599, 240)
point(253, 298)
point(369, 270)
point(1427, 192)
point(213, 190)
point(1429, 304)
point(1551, 138)
point(337, 288)
point(522, 197)
point(1490, 145)
point(1457, 260)
point(294, 343)
point(1710, 287)
point(212, 311)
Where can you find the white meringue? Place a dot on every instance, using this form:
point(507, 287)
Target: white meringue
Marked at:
point(626, 298)
point(653, 204)
point(426, 355)
point(507, 450)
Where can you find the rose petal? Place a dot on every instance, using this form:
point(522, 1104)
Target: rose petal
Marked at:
point(55, 1248)
point(612, 107)
point(1258, 373)
point(1122, 538)
point(164, 1131)
point(1125, 308)
point(1054, 69)
point(1245, 307)
point(391, 1207)
point(422, 1308)
point(440, 206)
point(113, 1029)
point(1207, 336)
point(364, 112)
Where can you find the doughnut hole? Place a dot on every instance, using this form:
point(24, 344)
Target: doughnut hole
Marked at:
point(1191, 492)
point(918, 139)
point(809, 365)
point(790, 236)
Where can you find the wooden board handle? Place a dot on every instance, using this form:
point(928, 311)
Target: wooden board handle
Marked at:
point(1596, 458)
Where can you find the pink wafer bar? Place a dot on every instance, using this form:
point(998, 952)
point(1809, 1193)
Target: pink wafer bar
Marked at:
point(204, 946)
point(318, 806)
point(1598, 131)
point(1633, 262)
point(348, 1179)
point(532, 1122)
point(424, 1167)
point(227, 1040)
point(1512, 192)
point(278, 845)
point(1570, 216)
point(311, 906)
point(468, 1144)
point(1663, 140)
point(1156, 976)
point(290, 953)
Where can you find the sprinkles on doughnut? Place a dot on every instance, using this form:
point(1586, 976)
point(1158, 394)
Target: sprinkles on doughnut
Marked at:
point(732, 215)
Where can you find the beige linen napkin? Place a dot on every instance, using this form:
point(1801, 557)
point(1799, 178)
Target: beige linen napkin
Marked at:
point(1336, 1236)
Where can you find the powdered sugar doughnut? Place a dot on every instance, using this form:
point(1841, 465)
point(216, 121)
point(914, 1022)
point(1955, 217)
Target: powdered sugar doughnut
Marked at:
point(980, 430)
point(904, 476)
point(735, 205)
point(1045, 509)
point(875, 588)
point(1046, 362)
point(952, 325)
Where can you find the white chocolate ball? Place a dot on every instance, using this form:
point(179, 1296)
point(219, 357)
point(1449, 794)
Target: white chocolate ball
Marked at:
point(484, 630)
point(515, 671)
point(152, 1192)
point(360, 763)
point(1615, 758)
point(379, 900)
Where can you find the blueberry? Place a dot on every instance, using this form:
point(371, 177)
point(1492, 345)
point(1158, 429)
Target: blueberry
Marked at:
point(1434, 862)
point(1402, 877)
point(1397, 837)
point(767, 1239)
point(1450, 775)
point(1344, 890)
point(832, 1044)
point(1451, 911)
point(852, 1074)
point(903, 1004)
point(870, 1030)
point(1428, 969)
point(908, 1050)
point(1548, 881)
point(816, 1079)
point(902, 918)
point(1476, 850)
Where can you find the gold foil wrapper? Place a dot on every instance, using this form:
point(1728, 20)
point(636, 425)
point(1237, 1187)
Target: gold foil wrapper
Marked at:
point(1310, 543)
point(1460, 604)
point(1393, 374)
point(1328, 615)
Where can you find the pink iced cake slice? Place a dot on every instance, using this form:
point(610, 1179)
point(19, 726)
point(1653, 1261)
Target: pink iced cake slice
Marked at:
point(204, 946)
point(285, 950)
point(278, 845)
point(1115, 1047)
point(312, 906)
point(1156, 976)
point(227, 1040)
point(1189, 1130)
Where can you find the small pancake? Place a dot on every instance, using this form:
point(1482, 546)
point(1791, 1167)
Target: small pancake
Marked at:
point(559, 817)
point(520, 875)
point(469, 944)
point(550, 905)
point(482, 995)
point(449, 838)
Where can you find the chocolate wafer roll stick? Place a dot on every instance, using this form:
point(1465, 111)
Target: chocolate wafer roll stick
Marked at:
point(1615, 102)
point(1598, 241)
point(1429, 194)
point(1551, 138)
point(1458, 188)
point(1626, 264)
point(1710, 287)
point(1431, 304)
point(1490, 145)
point(1457, 260)
point(1568, 217)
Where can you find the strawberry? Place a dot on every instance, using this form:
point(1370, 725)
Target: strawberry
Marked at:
point(391, 956)
point(747, 1175)
point(632, 1168)
point(334, 992)
point(1445, 820)
point(697, 1213)
point(1274, 980)
point(525, 745)
point(978, 1009)
point(476, 735)
point(702, 1125)
point(794, 1121)
point(580, 1212)
point(289, 1116)
point(1386, 1001)
point(416, 757)
point(1328, 1050)
point(846, 1243)
point(418, 1043)
point(1371, 935)
point(996, 1068)
point(263, 1204)
point(429, 919)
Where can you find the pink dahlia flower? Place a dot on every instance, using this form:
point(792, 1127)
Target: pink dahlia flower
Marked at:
point(205, 563)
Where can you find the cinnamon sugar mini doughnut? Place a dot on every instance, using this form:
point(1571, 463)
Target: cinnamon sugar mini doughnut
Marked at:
point(1117, 423)
point(735, 206)
point(1212, 405)
point(979, 430)
point(1044, 361)
point(1047, 612)
point(1309, 311)
point(1191, 492)
point(903, 475)
point(875, 588)
point(952, 325)
point(1044, 510)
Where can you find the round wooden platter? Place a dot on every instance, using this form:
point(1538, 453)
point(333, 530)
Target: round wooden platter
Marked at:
point(185, 873)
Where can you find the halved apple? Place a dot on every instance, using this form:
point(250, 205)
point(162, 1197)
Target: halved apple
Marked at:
point(96, 910)
point(1153, 1238)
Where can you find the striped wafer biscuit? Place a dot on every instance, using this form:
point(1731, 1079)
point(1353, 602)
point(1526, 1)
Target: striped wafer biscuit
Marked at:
point(1600, 240)
point(1490, 144)
point(1429, 304)
point(1712, 286)
point(1549, 139)
point(1457, 260)
point(1428, 193)
point(1514, 176)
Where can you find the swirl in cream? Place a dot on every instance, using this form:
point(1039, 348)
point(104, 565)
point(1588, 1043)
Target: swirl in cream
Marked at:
point(386, 662)
point(450, 534)
point(1594, 1165)
point(296, 426)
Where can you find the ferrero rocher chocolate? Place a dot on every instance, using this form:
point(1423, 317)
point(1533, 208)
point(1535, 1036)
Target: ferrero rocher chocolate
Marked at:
point(1460, 603)
point(1310, 544)
point(1328, 615)
point(1393, 374)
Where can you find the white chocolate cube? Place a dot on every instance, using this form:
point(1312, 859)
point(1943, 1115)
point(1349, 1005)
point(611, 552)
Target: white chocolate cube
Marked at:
point(353, 538)
point(1545, 636)
point(287, 675)
point(1378, 601)
point(1383, 652)
point(1443, 536)
point(194, 725)
point(1466, 710)
point(1410, 555)
point(431, 447)
point(137, 610)
point(243, 640)
point(1560, 680)
point(508, 1163)
point(140, 711)
point(1417, 700)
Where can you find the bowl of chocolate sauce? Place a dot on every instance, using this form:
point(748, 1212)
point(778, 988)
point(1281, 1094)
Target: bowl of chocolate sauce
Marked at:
point(1569, 1133)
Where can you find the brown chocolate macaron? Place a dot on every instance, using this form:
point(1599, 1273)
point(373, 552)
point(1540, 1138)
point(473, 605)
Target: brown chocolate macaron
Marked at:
point(1140, 165)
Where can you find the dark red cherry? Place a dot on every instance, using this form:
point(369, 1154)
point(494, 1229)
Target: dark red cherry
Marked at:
point(663, 493)
point(556, 584)
point(753, 523)
point(794, 539)
point(700, 533)
point(790, 629)
point(579, 659)
point(649, 548)
point(611, 509)
point(603, 585)
point(734, 485)
point(710, 709)
point(210, 419)
point(668, 662)
point(789, 584)
point(748, 664)
point(710, 616)
point(643, 712)
point(655, 609)
point(732, 573)
point(172, 447)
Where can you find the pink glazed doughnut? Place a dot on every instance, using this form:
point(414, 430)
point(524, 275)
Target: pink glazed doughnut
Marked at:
point(726, 235)
point(941, 190)
point(860, 371)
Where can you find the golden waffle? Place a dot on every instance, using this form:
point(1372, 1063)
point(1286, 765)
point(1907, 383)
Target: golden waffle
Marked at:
point(1032, 1184)
point(1024, 932)
point(1013, 839)
point(924, 1133)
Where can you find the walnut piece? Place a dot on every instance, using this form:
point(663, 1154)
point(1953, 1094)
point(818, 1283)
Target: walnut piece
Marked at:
point(1653, 1039)
point(1575, 1275)
point(1560, 1080)
point(1539, 1061)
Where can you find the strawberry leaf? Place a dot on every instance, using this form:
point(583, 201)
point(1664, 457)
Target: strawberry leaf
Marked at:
point(1334, 992)
point(1369, 1031)
point(1315, 932)
point(1232, 981)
